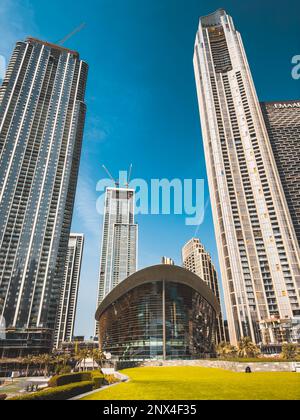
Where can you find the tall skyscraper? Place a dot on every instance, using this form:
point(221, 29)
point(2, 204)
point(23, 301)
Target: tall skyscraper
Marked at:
point(283, 124)
point(258, 248)
point(167, 261)
point(119, 242)
point(64, 330)
point(196, 259)
point(42, 114)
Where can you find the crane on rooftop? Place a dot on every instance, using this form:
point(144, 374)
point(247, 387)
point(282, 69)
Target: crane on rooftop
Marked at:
point(129, 176)
point(71, 34)
point(117, 181)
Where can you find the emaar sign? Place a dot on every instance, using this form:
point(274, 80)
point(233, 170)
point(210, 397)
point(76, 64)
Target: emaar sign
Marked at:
point(290, 105)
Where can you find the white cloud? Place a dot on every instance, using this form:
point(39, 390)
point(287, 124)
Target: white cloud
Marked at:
point(85, 206)
point(16, 23)
point(96, 129)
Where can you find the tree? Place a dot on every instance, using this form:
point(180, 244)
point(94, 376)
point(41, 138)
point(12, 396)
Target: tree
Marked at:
point(98, 357)
point(62, 363)
point(290, 351)
point(246, 348)
point(46, 360)
point(38, 361)
point(65, 359)
point(82, 356)
point(226, 350)
point(28, 361)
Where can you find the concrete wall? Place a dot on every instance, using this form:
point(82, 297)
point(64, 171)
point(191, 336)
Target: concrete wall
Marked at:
point(227, 365)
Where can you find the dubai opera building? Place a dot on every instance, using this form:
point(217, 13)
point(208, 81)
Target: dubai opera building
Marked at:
point(161, 313)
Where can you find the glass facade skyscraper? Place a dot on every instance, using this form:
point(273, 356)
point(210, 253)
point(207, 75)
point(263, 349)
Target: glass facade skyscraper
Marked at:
point(283, 124)
point(196, 259)
point(258, 249)
point(65, 322)
point(42, 114)
point(119, 241)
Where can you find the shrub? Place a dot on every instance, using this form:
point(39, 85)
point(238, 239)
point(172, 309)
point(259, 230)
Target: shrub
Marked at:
point(57, 394)
point(3, 397)
point(60, 380)
point(63, 370)
point(110, 379)
point(98, 381)
point(70, 378)
point(96, 373)
point(290, 351)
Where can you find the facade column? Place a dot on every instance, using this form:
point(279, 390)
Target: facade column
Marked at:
point(164, 321)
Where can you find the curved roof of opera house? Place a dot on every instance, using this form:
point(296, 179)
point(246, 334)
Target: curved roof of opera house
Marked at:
point(169, 273)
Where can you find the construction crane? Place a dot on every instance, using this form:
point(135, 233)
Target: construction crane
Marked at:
point(71, 34)
point(129, 176)
point(116, 181)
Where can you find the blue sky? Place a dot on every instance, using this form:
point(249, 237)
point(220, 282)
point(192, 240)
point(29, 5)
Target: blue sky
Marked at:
point(142, 103)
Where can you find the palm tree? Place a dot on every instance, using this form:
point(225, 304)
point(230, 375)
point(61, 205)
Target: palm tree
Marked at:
point(28, 361)
point(98, 357)
point(221, 348)
point(76, 348)
point(65, 358)
point(246, 348)
point(61, 360)
point(57, 362)
point(46, 361)
point(38, 361)
point(82, 356)
point(290, 351)
point(226, 350)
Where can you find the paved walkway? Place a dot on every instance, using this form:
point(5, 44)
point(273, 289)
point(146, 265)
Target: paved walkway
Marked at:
point(16, 386)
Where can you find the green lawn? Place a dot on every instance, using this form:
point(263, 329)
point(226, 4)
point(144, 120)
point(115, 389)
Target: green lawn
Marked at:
point(195, 383)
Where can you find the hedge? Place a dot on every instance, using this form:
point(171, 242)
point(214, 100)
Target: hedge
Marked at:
point(61, 380)
point(58, 394)
point(73, 378)
point(69, 378)
point(98, 381)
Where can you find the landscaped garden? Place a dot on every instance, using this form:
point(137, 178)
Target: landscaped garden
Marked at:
point(171, 383)
point(68, 386)
point(196, 383)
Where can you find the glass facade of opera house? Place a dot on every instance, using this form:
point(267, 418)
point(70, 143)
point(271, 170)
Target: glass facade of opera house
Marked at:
point(159, 319)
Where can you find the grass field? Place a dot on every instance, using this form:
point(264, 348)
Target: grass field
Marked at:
point(195, 383)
